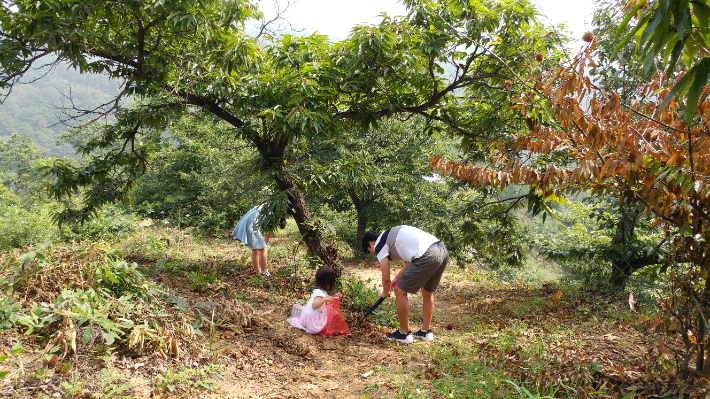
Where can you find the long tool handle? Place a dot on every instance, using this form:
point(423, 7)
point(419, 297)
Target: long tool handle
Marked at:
point(373, 307)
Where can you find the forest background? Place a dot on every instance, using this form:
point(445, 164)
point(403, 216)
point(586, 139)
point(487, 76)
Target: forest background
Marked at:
point(193, 173)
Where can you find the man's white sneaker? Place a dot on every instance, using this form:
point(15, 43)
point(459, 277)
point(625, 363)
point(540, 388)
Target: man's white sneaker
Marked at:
point(424, 335)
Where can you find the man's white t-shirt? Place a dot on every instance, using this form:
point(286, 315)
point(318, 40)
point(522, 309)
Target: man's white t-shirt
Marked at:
point(403, 243)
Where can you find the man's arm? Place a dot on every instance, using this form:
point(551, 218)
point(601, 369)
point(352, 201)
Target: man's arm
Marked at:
point(386, 281)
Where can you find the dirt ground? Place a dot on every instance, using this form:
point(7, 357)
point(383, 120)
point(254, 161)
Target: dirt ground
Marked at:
point(275, 360)
point(271, 359)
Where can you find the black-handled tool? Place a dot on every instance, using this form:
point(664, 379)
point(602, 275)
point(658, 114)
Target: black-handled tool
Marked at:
point(373, 307)
point(379, 301)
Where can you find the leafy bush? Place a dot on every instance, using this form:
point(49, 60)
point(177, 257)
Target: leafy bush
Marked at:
point(89, 308)
point(359, 298)
point(109, 386)
point(9, 310)
point(118, 278)
point(20, 227)
point(340, 224)
point(194, 182)
point(202, 281)
point(110, 223)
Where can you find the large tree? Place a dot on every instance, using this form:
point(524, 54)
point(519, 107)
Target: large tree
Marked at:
point(379, 172)
point(653, 153)
point(181, 55)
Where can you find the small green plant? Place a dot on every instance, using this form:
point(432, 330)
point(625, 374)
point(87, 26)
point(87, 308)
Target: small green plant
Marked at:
point(87, 307)
point(65, 368)
point(155, 245)
point(110, 388)
point(525, 393)
point(361, 297)
point(116, 277)
point(104, 353)
point(73, 386)
point(15, 350)
point(37, 318)
point(163, 265)
point(39, 374)
point(582, 312)
point(48, 355)
point(202, 281)
point(9, 310)
point(406, 392)
point(594, 367)
point(189, 379)
point(25, 265)
point(172, 379)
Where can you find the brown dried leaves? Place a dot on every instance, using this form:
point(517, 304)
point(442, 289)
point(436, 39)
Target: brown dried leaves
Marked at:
point(162, 340)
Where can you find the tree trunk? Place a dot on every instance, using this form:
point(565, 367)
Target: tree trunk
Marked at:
point(310, 233)
point(619, 275)
point(361, 219)
point(272, 151)
point(620, 265)
point(361, 230)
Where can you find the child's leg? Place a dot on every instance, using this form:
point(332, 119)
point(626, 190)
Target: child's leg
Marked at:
point(255, 259)
point(262, 254)
point(262, 259)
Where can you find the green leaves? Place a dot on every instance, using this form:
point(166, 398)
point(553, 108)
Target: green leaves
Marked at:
point(142, 42)
point(691, 83)
point(669, 29)
point(118, 278)
point(189, 56)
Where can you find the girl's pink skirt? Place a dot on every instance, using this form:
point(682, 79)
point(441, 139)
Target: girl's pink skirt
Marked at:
point(311, 323)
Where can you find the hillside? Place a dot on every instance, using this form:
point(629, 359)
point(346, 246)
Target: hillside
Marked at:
point(189, 319)
point(32, 108)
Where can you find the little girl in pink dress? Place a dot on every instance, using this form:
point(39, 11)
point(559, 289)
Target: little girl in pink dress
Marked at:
point(313, 317)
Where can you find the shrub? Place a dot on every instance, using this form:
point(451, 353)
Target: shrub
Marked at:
point(118, 278)
point(111, 222)
point(360, 297)
point(20, 227)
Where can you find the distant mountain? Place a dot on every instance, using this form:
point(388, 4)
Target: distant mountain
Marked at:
point(32, 108)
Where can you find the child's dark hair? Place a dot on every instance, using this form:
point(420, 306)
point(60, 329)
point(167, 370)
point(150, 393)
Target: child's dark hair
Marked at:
point(325, 278)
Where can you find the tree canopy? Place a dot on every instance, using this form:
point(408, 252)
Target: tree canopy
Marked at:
point(652, 153)
point(177, 56)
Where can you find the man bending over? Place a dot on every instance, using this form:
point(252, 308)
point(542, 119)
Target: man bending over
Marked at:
point(425, 260)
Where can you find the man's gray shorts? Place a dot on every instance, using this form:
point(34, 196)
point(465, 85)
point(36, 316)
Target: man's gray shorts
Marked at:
point(425, 271)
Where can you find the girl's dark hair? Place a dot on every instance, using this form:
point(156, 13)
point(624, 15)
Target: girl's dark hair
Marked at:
point(325, 278)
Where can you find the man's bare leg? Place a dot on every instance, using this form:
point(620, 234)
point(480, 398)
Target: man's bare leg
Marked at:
point(428, 309)
point(402, 309)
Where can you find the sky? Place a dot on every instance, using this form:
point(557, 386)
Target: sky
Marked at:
point(335, 17)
